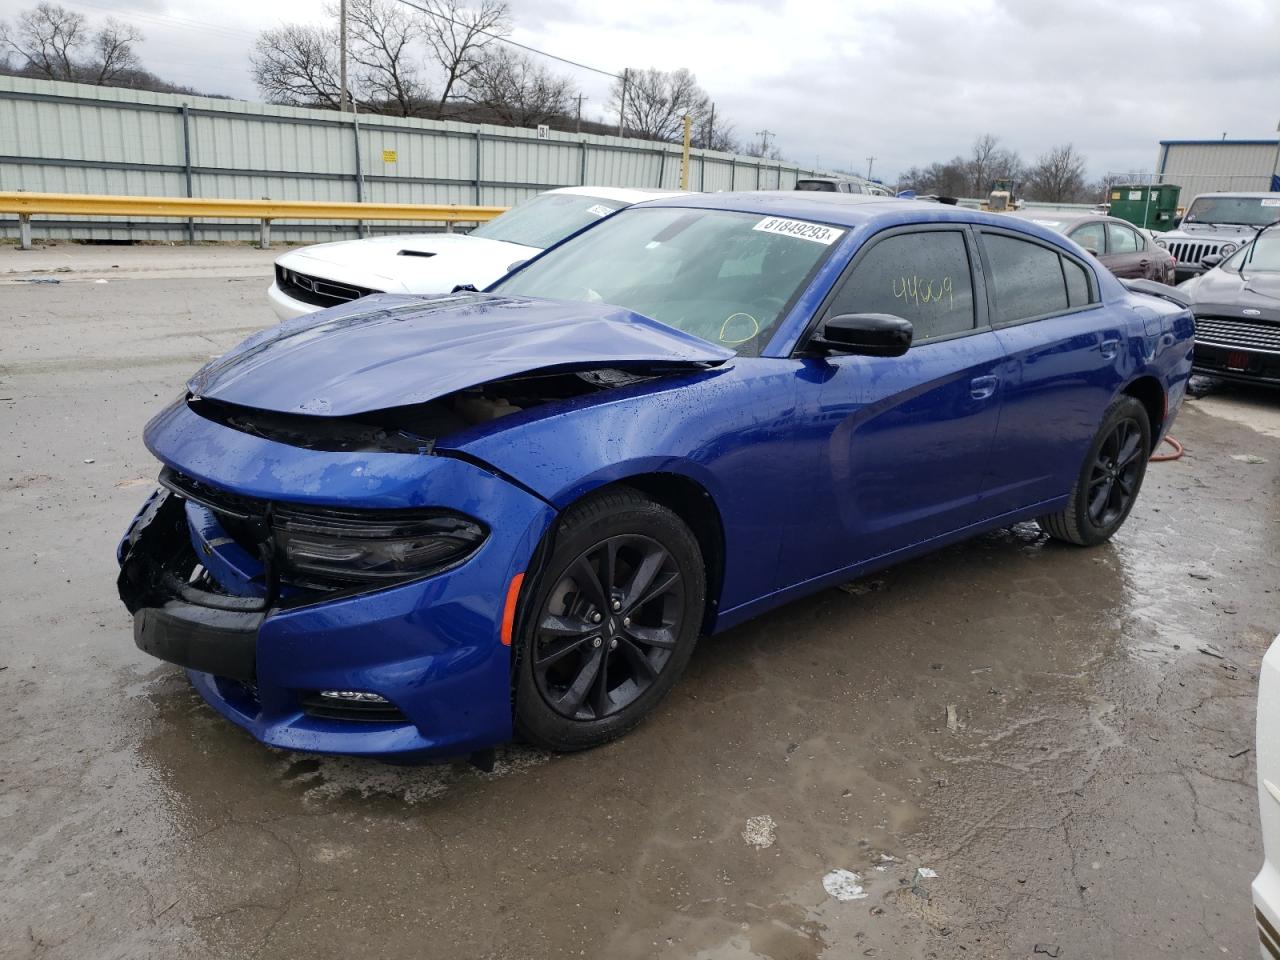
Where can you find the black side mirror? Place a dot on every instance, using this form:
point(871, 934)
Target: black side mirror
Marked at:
point(1211, 261)
point(865, 334)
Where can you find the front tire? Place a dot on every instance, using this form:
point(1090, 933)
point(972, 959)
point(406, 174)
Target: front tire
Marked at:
point(1108, 483)
point(610, 623)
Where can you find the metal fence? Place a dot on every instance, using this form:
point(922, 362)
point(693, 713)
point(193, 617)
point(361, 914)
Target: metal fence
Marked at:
point(73, 138)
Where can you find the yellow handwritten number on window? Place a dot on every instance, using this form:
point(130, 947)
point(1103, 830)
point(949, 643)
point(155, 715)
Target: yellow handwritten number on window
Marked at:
point(917, 291)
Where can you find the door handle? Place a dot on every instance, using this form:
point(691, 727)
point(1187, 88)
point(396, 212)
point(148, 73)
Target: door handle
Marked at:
point(1108, 348)
point(1144, 263)
point(980, 388)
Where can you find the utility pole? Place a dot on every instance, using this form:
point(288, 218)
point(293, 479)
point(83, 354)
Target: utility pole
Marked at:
point(711, 130)
point(622, 100)
point(580, 98)
point(344, 98)
point(764, 136)
point(684, 155)
point(870, 161)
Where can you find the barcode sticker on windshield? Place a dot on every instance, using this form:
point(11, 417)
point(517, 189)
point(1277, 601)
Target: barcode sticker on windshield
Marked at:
point(1271, 203)
point(600, 210)
point(800, 229)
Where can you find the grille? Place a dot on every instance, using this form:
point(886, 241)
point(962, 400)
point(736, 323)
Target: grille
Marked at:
point(318, 291)
point(1258, 335)
point(326, 708)
point(1191, 252)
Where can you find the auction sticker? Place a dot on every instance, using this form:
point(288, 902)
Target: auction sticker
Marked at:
point(1271, 203)
point(800, 229)
point(600, 210)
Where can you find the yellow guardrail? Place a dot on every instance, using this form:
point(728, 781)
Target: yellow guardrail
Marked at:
point(27, 205)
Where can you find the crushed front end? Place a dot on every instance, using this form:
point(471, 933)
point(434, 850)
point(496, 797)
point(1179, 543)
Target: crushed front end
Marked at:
point(327, 600)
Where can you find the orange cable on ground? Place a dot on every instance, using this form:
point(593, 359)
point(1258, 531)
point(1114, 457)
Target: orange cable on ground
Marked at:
point(1177, 451)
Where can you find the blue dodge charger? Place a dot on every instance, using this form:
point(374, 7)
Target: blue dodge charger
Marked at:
point(422, 526)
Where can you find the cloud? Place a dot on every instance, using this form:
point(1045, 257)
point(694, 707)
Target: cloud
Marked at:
point(905, 81)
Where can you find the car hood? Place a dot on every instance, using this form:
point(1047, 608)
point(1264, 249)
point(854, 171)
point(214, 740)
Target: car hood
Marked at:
point(1227, 293)
point(1226, 232)
point(387, 351)
point(421, 263)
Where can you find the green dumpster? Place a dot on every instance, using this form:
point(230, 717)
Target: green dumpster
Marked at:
point(1154, 207)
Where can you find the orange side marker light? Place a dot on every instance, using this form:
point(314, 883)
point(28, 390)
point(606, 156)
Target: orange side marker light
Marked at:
point(509, 609)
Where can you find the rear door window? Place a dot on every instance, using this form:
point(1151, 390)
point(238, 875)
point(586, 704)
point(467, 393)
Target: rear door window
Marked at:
point(923, 277)
point(1027, 278)
point(1123, 239)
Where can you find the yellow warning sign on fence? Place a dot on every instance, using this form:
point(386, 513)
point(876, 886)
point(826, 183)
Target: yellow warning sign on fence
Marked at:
point(388, 156)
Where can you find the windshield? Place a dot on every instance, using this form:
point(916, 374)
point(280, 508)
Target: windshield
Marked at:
point(547, 219)
point(1247, 211)
point(820, 186)
point(725, 277)
point(1263, 255)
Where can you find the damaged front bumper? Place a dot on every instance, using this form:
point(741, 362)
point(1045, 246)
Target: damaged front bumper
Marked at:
point(269, 656)
point(174, 619)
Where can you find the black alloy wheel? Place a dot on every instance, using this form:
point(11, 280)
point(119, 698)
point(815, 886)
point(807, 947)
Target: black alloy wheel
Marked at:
point(608, 627)
point(1109, 480)
point(1116, 473)
point(608, 620)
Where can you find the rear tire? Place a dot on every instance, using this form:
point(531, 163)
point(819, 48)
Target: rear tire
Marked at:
point(1108, 483)
point(610, 623)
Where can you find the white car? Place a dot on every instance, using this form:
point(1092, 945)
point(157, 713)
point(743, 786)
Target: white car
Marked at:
point(1266, 885)
point(327, 274)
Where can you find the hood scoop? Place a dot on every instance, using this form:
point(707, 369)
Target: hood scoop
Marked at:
point(415, 253)
point(386, 351)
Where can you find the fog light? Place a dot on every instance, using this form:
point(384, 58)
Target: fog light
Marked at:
point(354, 696)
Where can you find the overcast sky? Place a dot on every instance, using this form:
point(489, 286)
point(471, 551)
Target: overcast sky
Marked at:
point(905, 81)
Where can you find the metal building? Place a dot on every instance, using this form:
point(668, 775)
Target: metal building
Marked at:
point(1208, 166)
point(71, 138)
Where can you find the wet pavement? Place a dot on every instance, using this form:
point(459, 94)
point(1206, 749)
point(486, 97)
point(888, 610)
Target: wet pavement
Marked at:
point(1036, 724)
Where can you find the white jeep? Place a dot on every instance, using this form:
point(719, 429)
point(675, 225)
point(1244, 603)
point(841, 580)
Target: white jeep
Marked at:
point(1216, 225)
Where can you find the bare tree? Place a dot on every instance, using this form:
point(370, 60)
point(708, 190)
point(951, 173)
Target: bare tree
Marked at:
point(296, 65)
point(1057, 176)
point(520, 92)
point(55, 43)
point(950, 179)
point(48, 38)
point(113, 49)
point(989, 162)
point(456, 35)
point(383, 37)
point(657, 101)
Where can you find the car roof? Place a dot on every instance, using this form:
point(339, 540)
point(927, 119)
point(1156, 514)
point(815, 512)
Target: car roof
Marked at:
point(1069, 216)
point(1065, 215)
point(625, 194)
point(840, 209)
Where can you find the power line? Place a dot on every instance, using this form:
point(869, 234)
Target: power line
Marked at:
point(514, 43)
point(161, 19)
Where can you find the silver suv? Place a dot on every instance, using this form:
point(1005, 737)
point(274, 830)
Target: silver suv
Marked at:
point(843, 185)
point(1216, 225)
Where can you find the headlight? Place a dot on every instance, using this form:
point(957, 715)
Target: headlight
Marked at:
point(1162, 245)
point(333, 548)
point(1227, 249)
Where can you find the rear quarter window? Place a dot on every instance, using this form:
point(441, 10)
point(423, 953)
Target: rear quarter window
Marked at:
point(1078, 294)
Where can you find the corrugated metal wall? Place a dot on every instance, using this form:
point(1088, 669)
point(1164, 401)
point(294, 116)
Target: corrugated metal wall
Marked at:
point(1211, 166)
point(72, 138)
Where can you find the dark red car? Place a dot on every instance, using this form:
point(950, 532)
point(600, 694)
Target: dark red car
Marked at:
point(1123, 249)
